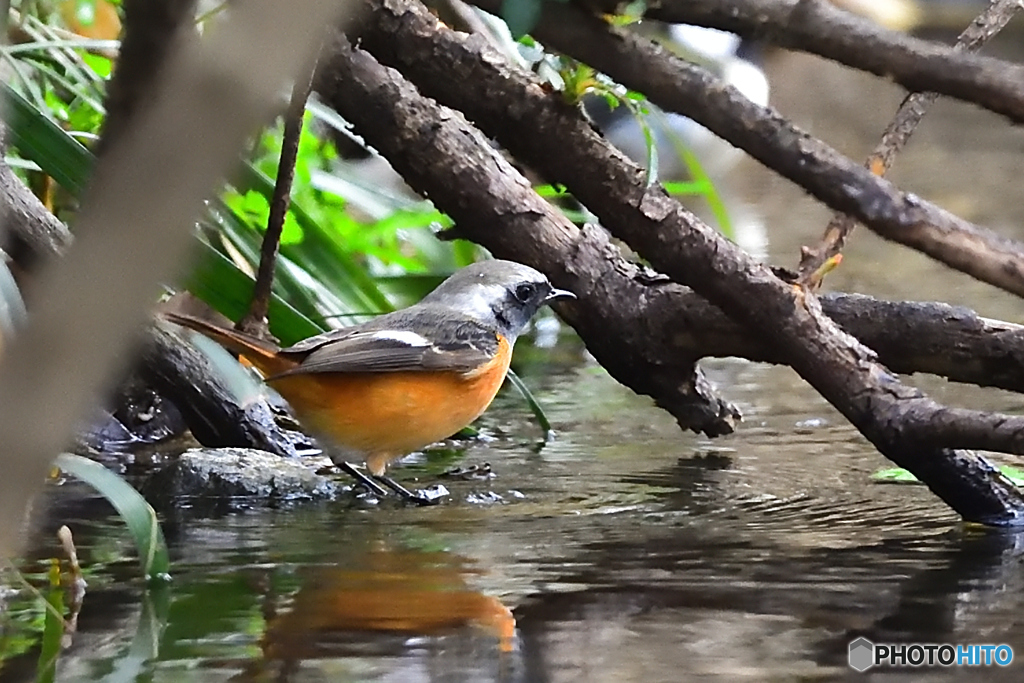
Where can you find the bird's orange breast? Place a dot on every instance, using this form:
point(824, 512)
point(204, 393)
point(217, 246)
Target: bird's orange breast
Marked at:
point(384, 415)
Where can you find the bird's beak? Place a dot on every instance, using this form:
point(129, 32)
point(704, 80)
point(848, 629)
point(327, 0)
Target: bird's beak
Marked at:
point(556, 294)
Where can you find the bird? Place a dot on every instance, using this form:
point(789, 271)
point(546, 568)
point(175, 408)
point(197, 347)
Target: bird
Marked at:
point(401, 381)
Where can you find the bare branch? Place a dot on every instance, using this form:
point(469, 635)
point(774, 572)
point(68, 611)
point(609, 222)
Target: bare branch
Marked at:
point(439, 154)
point(898, 132)
point(255, 319)
point(539, 129)
point(819, 27)
point(841, 183)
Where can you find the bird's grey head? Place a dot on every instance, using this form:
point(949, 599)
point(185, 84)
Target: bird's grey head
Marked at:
point(503, 293)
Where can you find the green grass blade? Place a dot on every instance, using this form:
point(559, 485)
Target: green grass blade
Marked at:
point(535, 407)
point(38, 138)
point(702, 181)
point(53, 628)
point(220, 283)
point(318, 247)
point(137, 514)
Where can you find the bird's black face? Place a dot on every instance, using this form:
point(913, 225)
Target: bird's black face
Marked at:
point(521, 301)
point(504, 293)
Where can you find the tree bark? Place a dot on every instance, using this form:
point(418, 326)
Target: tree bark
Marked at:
point(836, 180)
point(818, 27)
point(413, 133)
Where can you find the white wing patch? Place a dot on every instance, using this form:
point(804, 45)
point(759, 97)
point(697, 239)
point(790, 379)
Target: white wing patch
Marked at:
point(402, 336)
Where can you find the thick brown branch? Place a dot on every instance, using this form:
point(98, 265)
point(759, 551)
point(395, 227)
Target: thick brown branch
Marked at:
point(899, 132)
point(818, 27)
point(206, 401)
point(841, 183)
point(539, 129)
point(31, 232)
point(439, 154)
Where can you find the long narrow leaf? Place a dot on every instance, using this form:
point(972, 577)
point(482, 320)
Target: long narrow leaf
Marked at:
point(355, 276)
point(59, 155)
point(221, 284)
point(137, 514)
point(535, 407)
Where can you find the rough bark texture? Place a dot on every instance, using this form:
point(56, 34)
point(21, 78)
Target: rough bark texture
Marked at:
point(31, 232)
point(818, 27)
point(836, 180)
point(413, 132)
point(496, 207)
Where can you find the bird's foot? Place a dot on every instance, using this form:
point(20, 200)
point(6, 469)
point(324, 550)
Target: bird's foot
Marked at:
point(364, 479)
point(429, 496)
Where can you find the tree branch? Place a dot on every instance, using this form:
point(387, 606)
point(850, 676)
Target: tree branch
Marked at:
point(819, 27)
point(151, 30)
point(539, 129)
point(494, 205)
point(838, 181)
point(899, 132)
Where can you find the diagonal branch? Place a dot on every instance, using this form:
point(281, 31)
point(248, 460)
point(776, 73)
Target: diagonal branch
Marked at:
point(495, 206)
point(898, 133)
point(539, 129)
point(838, 181)
point(819, 27)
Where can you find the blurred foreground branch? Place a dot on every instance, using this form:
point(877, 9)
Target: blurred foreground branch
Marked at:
point(134, 228)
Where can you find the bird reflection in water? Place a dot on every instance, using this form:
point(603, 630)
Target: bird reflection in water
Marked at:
point(384, 592)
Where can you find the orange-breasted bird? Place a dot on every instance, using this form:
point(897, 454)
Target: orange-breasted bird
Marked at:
point(406, 379)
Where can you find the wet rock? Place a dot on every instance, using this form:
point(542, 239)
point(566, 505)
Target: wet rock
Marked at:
point(239, 476)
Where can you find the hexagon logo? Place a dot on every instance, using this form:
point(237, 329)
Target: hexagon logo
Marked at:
point(862, 654)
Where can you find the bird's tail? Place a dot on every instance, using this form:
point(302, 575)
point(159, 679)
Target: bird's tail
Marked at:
point(262, 353)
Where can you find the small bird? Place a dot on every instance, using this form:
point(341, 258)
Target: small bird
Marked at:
point(406, 379)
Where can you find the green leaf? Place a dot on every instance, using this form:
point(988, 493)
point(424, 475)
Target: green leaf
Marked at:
point(531, 401)
point(319, 252)
point(53, 628)
point(220, 283)
point(38, 138)
point(137, 514)
point(900, 475)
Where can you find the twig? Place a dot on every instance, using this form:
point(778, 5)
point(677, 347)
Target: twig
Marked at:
point(255, 320)
point(898, 132)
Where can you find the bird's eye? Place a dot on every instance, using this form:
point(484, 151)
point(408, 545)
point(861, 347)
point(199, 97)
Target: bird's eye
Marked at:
point(525, 292)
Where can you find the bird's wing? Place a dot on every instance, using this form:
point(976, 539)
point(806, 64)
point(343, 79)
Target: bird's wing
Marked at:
point(408, 340)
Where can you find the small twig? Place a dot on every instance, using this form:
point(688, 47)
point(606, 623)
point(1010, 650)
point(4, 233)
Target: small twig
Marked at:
point(897, 133)
point(77, 585)
point(255, 320)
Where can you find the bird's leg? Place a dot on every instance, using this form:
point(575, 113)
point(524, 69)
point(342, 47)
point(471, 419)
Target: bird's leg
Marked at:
point(405, 493)
point(363, 479)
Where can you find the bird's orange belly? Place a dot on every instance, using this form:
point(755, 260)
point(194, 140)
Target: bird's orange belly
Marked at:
point(388, 414)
